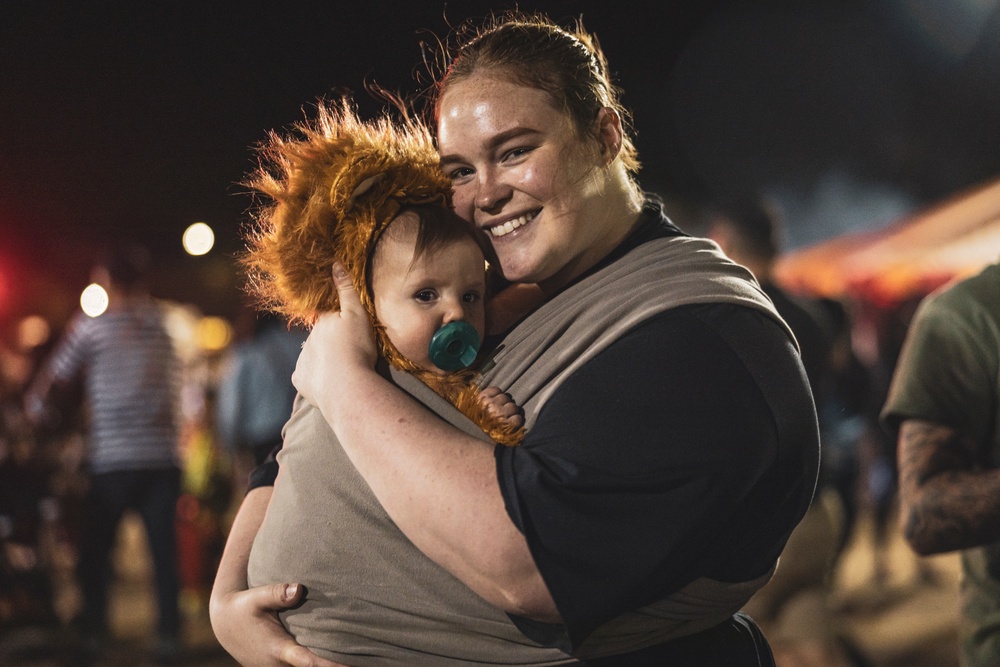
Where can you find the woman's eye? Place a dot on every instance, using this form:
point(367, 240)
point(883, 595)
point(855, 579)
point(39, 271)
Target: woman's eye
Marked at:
point(515, 153)
point(459, 173)
point(425, 295)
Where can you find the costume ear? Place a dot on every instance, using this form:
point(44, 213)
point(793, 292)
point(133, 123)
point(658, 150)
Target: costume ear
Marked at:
point(609, 129)
point(363, 187)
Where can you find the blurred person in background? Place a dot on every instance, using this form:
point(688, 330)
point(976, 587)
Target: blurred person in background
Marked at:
point(255, 392)
point(793, 607)
point(944, 408)
point(845, 411)
point(28, 513)
point(131, 379)
point(749, 231)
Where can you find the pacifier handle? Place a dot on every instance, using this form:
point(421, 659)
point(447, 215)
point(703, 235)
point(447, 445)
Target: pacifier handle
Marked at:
point(454, 346)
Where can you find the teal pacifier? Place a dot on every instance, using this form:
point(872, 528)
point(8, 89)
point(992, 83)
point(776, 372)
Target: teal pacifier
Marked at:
point(454, 346)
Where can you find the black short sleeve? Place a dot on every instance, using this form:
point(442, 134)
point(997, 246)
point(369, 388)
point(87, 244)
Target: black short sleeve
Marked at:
point(647, 468)
point(266, 472)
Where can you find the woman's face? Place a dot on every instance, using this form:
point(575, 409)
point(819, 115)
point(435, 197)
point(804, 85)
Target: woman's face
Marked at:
point(414, 297)
point(521, 172)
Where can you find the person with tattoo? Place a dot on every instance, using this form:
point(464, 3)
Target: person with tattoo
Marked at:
point(944, 407)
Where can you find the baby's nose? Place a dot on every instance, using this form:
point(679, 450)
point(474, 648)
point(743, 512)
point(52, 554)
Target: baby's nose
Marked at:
point(454, 311)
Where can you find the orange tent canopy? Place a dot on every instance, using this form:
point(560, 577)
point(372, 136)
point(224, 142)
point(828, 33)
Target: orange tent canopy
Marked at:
point(913, 256)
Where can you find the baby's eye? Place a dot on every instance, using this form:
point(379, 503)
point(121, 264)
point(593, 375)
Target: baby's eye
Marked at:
point(471, 297)
point(425, 295)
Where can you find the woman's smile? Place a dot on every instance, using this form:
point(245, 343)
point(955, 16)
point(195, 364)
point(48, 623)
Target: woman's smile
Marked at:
point(504, 228)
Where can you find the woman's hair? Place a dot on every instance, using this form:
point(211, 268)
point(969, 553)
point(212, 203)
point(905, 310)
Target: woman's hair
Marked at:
point(531, 50)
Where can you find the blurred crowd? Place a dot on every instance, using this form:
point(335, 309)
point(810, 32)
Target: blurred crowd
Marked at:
point(52, 467)
point(43, 479)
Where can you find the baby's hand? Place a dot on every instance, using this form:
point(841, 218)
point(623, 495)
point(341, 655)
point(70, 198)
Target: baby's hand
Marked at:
point(502, 406)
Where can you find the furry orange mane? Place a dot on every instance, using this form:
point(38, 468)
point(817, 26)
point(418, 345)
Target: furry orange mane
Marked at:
point(331, 193)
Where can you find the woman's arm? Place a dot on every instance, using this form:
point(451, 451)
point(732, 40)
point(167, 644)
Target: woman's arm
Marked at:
point(245, 620)
point(436, 483)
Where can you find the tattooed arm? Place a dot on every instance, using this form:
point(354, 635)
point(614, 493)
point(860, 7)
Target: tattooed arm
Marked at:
point(946, 501)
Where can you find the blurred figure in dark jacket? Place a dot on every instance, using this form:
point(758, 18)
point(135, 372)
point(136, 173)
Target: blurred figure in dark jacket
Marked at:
point(255, 392)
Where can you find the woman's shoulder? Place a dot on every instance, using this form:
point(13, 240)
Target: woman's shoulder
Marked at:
point(732, 322)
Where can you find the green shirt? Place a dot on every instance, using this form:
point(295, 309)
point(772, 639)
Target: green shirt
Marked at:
point(949, 373)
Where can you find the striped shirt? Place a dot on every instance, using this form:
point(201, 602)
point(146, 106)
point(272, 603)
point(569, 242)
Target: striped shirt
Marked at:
point(132, 383)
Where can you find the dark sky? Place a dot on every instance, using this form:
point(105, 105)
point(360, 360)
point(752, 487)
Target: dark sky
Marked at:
point(137, 119)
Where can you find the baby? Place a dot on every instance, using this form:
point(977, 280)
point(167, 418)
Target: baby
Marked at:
point(428, 284)
point(371, 196)
point(335, 193)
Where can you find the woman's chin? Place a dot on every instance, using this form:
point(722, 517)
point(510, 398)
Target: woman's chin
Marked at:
point(515, 265)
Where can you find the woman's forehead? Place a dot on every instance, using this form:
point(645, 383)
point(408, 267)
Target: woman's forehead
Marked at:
point(493, 86)
point(485, 108)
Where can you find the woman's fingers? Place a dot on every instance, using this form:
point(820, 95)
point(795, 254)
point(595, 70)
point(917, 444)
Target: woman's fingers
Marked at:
point(298, 656)
point(350, 302)
point(276, 597)
point(339, 341)
point(247, 626)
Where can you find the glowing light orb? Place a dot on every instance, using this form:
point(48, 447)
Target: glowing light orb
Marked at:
point(214, 333)
point(94, 300)
point(198, 239)
point(32, 331)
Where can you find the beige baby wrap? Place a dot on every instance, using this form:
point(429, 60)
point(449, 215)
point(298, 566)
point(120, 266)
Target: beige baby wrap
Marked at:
point(375, 599)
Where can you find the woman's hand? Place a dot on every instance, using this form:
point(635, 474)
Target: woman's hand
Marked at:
point(247, 626)
point(339, 342)
point(245, 620)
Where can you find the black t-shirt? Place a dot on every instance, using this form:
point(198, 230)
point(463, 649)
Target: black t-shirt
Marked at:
point(686, 449)
point(812, 329)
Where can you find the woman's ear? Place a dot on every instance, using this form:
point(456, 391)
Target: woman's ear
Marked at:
point(609, 129)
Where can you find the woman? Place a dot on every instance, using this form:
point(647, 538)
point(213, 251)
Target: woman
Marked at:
point(671, 439)
point(371, 194)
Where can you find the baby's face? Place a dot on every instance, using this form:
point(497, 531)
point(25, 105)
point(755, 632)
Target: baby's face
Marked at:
point(415, 298)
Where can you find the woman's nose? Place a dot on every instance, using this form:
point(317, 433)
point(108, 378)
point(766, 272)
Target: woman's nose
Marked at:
point(491, 193)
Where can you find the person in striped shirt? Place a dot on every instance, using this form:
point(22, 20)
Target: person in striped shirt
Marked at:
point(131, 379)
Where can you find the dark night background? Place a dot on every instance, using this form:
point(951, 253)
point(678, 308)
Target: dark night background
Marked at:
point(137, 119)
